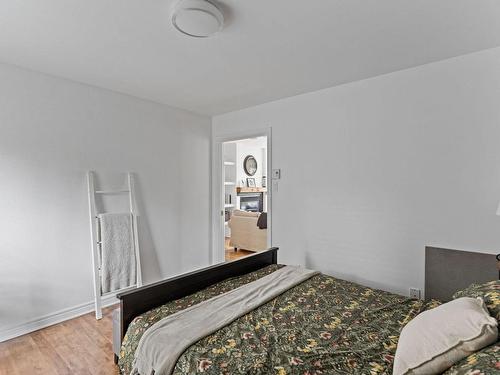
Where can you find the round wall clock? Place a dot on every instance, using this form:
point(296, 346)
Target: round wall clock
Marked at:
point(250, 165)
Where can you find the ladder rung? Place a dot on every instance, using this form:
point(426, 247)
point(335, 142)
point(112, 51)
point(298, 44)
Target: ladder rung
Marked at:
point(112, 191)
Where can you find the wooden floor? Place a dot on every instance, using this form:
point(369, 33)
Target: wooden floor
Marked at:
point(78, 346)
point(233, 255)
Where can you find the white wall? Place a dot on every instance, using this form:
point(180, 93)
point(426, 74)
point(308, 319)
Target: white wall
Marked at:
point(51, 132)
point(375, 170)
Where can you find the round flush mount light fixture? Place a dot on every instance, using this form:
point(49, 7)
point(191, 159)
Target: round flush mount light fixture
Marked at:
point(197, 18)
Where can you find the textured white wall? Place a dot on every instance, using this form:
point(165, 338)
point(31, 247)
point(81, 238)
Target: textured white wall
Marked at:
point(51, 132)
point(375, 170)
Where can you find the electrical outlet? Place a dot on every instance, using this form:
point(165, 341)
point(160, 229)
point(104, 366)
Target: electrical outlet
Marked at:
point(415, 293)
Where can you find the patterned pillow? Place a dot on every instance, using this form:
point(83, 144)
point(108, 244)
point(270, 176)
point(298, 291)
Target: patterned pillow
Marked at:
point(489, 292)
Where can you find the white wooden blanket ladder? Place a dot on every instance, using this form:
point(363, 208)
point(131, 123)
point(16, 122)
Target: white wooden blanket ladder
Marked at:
point(95, 236)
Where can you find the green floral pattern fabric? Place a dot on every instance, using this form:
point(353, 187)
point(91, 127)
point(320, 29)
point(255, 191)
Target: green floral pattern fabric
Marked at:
point(487, 360)
point(489, 292)
point(322, 326)
point(483, 362)
point(141, 323)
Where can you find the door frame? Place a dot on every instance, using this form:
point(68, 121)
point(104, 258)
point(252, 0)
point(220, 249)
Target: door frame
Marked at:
point(217, 253)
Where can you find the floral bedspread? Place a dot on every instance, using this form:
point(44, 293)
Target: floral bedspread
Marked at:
point(140, 324)
point(483, 362)
point(322, 326)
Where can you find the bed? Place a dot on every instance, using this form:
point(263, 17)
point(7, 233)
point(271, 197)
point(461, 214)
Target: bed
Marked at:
point(323, 325)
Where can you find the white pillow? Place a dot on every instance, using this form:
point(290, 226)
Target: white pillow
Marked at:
point(434, 340)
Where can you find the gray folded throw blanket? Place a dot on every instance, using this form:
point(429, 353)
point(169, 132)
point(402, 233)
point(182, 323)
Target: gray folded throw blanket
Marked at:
point(118, 263)
point(164, 342)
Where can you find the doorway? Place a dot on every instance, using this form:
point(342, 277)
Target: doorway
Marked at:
point(243, 227)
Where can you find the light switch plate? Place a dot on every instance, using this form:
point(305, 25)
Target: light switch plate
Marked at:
point(276, 174)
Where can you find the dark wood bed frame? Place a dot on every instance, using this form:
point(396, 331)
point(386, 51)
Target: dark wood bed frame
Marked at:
point(138, 301)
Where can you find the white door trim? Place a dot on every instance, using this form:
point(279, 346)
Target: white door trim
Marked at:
point(217, 222)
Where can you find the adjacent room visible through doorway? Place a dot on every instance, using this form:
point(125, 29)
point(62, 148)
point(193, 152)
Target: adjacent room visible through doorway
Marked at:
point(245, 182)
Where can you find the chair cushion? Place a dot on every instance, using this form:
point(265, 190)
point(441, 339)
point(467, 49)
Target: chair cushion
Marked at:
point(245, 213)
point(434, 340)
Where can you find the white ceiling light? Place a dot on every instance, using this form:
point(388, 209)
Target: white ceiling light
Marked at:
point(197, 18)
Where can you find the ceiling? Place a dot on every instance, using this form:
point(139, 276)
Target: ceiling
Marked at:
point(268, 49)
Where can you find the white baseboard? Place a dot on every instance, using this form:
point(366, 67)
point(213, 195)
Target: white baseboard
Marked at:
point(54, 318)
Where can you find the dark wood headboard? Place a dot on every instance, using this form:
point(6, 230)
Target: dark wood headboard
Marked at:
point(447, 271)
point(140, 300)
